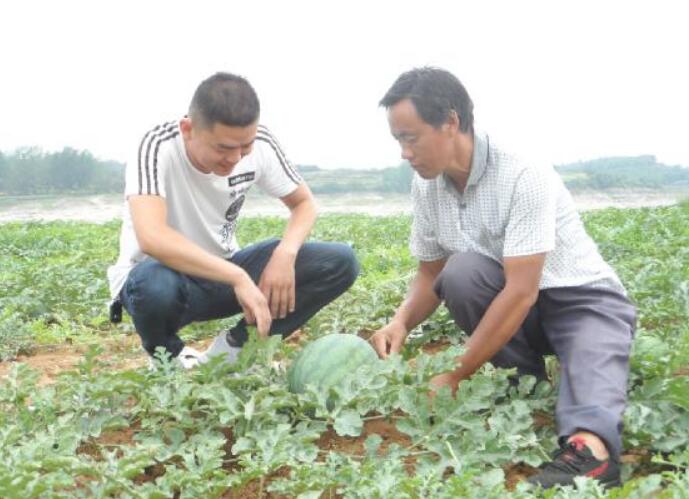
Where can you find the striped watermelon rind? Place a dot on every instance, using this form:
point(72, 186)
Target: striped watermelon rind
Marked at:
point(328, 360)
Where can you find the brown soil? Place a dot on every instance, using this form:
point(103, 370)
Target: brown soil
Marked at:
point(543, 419)
point(50, 361)
point(328, 441)
point(110, 439)
point(150, 474)
point(48, 364)
point(257, 488)
point(122, 353)
point(355, 445)
point(636, 457)
point(298, 337)
point(433, 347)
point(515, 473)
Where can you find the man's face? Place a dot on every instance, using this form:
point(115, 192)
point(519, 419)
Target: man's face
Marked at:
point(219, 148)
point(429, 150)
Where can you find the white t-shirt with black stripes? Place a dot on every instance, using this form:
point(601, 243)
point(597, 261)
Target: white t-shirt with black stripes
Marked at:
point(201, 206)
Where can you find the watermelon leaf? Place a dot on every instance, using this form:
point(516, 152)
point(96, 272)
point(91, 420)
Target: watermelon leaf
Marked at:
point(348, 424)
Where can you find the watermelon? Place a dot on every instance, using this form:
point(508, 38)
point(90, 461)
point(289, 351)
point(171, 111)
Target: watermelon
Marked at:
point(328, 360)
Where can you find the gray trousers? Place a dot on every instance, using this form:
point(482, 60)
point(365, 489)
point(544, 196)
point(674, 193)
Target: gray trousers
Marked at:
point(588, 328)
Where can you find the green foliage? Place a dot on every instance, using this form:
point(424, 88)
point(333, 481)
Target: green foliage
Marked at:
point(603, 173)
point(395, 179)
point(203, 433)
point(606, 173)
point(52, 282)
point(15, 335)
point(30, 171)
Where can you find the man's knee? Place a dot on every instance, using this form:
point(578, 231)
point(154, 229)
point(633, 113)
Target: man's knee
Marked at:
point(154, 288)
point(335, 263)
point(343, 263)
point(462, 276)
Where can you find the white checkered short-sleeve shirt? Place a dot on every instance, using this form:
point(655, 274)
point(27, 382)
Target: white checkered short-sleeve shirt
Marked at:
point(508, 208)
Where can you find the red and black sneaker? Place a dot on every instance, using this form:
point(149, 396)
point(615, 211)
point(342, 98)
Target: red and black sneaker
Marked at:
point(575, 459)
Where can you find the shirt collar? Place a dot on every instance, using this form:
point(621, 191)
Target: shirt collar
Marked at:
point(479, 160)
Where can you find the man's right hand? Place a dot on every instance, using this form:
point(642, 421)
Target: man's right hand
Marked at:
point(254, 305)
point(389, 339)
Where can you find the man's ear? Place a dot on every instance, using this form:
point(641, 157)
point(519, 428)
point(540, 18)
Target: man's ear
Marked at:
point(185, 127)
point(453, 120)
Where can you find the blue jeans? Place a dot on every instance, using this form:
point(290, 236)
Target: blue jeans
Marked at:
point(161, 300)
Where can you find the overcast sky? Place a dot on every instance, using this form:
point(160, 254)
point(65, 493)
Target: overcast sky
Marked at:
point(560, 81)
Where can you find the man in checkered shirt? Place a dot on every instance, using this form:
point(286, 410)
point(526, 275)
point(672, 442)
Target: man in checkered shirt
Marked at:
point(499, 241)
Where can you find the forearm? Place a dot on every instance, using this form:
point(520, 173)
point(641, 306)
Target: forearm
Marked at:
point(299, 225)
point(179, 253)
point(500, 322)
point(420, 303)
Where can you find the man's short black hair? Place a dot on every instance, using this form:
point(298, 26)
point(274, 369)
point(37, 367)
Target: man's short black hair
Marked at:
point(434, 92)
point(224, 98)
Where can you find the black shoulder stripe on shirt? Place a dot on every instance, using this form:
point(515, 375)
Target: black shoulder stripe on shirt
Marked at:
point(155, 139)
point(160, 129)
point(290, 173)
point(141, 147)
point(265, 136)
point(275, 144)
point(143, 159)
point(162, 139)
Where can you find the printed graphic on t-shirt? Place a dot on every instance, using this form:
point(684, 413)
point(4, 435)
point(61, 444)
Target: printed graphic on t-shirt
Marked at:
point(228, 228)
point(238, 179)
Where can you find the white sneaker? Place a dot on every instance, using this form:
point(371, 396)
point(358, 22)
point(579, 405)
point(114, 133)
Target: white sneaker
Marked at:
point(220, 346)
point(187, 358)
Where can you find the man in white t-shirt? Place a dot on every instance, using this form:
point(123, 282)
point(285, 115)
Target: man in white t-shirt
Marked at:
point(500, 243)
point(179, 259)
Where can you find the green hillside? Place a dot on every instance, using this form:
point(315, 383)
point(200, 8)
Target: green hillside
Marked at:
point(619, 172)
point(31, 171)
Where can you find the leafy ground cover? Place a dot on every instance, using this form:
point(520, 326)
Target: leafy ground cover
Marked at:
point(102, 425)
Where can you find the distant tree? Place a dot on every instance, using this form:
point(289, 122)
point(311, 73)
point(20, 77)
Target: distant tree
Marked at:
point(70, 170)
point(25, 171)
point(622, 172)
point(3, 173)
point(398, 178)
point(29, 170)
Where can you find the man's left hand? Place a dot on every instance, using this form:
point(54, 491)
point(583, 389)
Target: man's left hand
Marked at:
point(277, 283)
